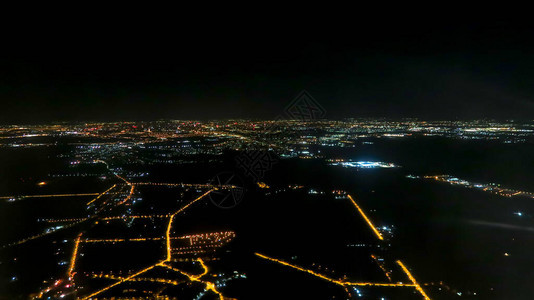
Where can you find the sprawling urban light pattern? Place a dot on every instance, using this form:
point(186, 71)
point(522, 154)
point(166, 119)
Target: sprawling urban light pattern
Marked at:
point(196, 241)
point(209, 286)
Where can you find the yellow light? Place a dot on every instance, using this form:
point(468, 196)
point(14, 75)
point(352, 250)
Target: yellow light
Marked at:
point(129, 195)
point(381, 265)
point(366, 219)
point(209, 286)
point(100, 195)
point(168, 232)
point(336, 281)
point(50, 196)
point(412, 279)
point(262, 185)
point(74, 255)
point(119, 282)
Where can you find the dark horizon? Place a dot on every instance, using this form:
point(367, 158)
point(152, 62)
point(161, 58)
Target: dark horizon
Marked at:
point(258, 120)
point(428, 68)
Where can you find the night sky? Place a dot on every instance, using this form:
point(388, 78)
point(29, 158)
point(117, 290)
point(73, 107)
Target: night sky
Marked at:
point(206, 68)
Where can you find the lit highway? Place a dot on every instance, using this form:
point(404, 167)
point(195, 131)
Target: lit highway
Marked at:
point(209, 286)
point(344, 283)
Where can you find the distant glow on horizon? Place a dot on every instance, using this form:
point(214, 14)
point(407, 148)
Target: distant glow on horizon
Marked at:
point(363, 164)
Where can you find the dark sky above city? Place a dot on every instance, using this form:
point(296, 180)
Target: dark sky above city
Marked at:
point(224, 67)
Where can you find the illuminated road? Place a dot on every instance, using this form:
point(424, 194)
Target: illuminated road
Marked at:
point(159, 280)
point(74, 221)
point(132, 189)
point(193, 185)
point(382, 267)
point(101, 194)
point(209, 286)
point(41, 234)
point(367, 219)
point(168, 231)
point(74, 256)
point(336, 281)
point(412, 279)
point(48, 196)
point(120, 281)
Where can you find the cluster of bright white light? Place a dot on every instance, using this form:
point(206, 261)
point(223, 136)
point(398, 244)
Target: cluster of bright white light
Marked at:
point(363, 164)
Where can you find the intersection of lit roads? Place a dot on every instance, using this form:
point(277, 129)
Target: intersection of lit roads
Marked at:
point(102, 202)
